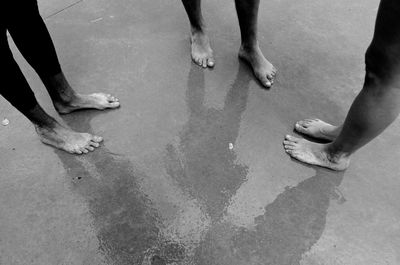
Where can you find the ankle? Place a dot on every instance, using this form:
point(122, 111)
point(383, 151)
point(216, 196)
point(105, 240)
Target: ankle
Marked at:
point(40, 118)
point(198, 30)
point(65, 98)
point(336, 155)
point(45, 126)
point(249, 46)
point(59, 89)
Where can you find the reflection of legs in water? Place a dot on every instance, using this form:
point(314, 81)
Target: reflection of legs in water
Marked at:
point(123, 222)
point(33, 40)
point(374, 109)
point(288, 228)
point(126, 212)
point(247, 11)
point(202, 162)
point(202, 53)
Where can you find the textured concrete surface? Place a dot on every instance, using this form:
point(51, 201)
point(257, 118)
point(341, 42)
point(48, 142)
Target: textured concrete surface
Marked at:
point(166, 188)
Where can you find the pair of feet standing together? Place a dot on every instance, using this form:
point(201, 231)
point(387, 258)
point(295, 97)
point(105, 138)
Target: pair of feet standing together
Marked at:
point(53, 133)
point(315, 153)
point(202, 55)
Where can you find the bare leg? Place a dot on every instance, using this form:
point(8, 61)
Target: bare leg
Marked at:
point(377, 105)
point(32, 38)
point(16, 90)
point(201, 51)
point(247, 11)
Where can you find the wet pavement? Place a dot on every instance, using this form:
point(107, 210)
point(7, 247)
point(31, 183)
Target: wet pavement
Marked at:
point(192, 170)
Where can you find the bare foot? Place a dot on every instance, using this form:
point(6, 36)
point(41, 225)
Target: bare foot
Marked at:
point(314, 154)
point(202, 53)
point(263, 70)
point(318, 129)
point(92, 101)
point(68, 140)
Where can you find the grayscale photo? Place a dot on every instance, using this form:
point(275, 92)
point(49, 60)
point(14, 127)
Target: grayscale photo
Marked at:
point(190, 132)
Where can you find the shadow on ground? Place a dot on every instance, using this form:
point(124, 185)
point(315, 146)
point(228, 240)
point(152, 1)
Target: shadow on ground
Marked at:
point(203, 166)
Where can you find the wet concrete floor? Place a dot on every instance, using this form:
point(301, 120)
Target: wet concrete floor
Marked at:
point(192, 170)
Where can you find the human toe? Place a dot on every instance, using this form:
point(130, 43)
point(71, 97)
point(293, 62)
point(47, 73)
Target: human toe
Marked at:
point(96, 138)
point(210, 62)
point(264, 81)
point(94, 144)
point(291, 138)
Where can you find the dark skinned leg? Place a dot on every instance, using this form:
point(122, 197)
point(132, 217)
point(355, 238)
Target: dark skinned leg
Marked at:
point(17, 91)
point(201, 51)
point(377, 105)
point(247, 11)
point(32, 38)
